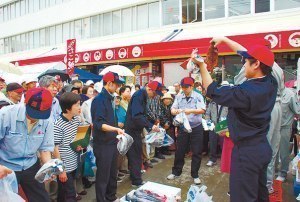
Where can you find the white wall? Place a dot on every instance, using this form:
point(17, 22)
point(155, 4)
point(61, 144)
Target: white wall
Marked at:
point(67, 11)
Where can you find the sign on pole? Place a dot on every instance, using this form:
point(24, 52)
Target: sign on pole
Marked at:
point(71, 51)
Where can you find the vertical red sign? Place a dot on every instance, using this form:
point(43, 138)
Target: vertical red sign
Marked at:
point(71, 51)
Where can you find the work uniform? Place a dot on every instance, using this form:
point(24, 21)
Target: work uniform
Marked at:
point(194, 140)
point(135, 122)
point(274, 131)
point(105, 146)
point(250, 105)
point(290, 107)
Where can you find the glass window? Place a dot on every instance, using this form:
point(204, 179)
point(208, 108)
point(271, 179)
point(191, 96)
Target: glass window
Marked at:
point(86, 28)
point(36, 5)
point(30, 40)
point(5, 13)
point(23, 8)
point(134, 18)
point(95, 26)
point(116, 22)
point(30, 6)
point(154, 14)
point(51, 2)
point(13, 44)
point(47, 36)
point(214, 9)
point(239, 7)
point(142, 17)
point(23, 42)
point(6, 45)
point(286, 4)
point(77, 28)
point(12, 11)
point(52, 36)
point(2, 19)
point(18, 43)
point(72, 30)
point(191, 11)
point(101, 25)
point(126, 20)
point(170, 12)
point(1, 46)
point(66, 31)
point(107, 24)
point(42, 37)
point(262, 6)
point(18, 9)
point(58, 1)
point(42, 4)
point(36, 39)
point(58, 35)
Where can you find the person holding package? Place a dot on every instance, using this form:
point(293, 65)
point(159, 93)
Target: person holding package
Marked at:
point(250, 105)
point(65, 130)
point(105, 130)
point(192, 104)
point(290, 107)
point(25, 131)
point(136, 121)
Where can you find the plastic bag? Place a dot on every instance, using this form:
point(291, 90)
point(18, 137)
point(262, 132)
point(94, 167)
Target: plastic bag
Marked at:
point(9, 189)
point(52, 167)
point(182, 120)
point(198, 194)
point(125, 142)
point(89, 163)
point(167, 140)
point(155, 139)
point(192, 67)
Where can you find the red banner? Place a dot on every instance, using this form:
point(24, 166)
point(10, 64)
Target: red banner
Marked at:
point(71, 52)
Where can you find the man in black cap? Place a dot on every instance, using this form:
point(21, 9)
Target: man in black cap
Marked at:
point(105, 130)
point(135, 122)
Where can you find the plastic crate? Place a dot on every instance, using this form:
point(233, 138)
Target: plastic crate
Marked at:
point(277, 195)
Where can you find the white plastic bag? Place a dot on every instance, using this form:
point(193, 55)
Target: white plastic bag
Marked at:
point(196, 194)
point(125, 142)
point(155, 139)
point(182, 120)
point(9, 189)
point(49, 169)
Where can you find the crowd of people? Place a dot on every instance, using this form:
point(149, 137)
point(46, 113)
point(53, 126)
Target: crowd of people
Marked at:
point(39, 120)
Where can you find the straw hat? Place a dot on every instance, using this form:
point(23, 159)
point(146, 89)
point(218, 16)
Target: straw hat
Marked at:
point(171, 90)
point(167, 96)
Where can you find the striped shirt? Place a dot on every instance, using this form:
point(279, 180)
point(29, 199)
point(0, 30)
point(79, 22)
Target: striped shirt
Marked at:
point(64, 132)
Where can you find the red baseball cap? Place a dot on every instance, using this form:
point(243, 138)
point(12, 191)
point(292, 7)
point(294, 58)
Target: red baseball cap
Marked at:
point(156, 86)
point(261, 53)
point(113, 77)
point(187, 81)
point(38, 103)
point(14, 87)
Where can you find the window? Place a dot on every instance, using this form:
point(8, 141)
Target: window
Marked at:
point(36, 39)
point(1, 46)
point(30, 6)
point(95, 26)
point(154, 14)
point(126, 20)
point(142, 17)
point(58, 1)
point(191, 11)
point(42, 37)
point(101, 25)
point(239, 7)
point(13, 44)
point(18, 9)
point(116, 22)
point(6, 45)
point(12, 11)
point(214, 9)
point(170, 12)
point(36, 5)
point(66, 31)
point(51, 2)
point(23, 8)
point(1, 20)
point(286, 4)
point(52, 36)
point(47, 36)
point(86, 28)
point(58, 34)
point(5, 13)
point(72, 30)
point(77, 28)
point(30, 40)
point(42, 4)
point(262, 6)
point(107, 23)
point(134, 18)
point(23, 42)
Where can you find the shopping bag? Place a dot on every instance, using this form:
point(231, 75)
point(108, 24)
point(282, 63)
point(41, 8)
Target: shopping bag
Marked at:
point(89, 163)
point(198, 194)
point(49, 169)
point(182, 120)
point(9, 189)
point(167, 140)
point(155, 139)
point(124, 144)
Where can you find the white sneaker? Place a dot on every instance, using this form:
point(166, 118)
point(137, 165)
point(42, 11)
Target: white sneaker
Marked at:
point(171, 177)
point(280, 178)
point(210, 163)
point(197, 181)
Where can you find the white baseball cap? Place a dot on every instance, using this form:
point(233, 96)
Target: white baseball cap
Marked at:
point(89, 82)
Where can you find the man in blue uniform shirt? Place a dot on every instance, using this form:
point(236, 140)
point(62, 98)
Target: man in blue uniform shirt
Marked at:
point(105, 130)
point(135, 122)
point(250, 105)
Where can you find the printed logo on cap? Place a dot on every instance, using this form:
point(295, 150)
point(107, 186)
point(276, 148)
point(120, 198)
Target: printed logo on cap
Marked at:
point(136, 51)
point(97, 55)
point(109, 54)
point(294, 39)
point(273, 40)
point(122, 53)
point(86, 57)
